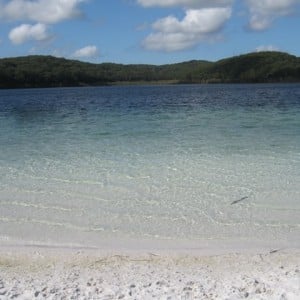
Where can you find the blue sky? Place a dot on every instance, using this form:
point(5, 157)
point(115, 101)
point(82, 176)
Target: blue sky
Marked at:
point(148, 31)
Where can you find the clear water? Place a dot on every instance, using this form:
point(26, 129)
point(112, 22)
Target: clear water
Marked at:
point(81, 165)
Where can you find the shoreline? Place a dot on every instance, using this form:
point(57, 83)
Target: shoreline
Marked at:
point(78, 273)
point(140, 246)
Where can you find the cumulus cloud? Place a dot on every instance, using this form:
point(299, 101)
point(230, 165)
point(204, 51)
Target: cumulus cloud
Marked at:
point(186, 3)
point(42, 11)
point(266, 48)
point(86, 52)
point(264, 12)
point(27, 32)
point(202, 21)
point(171, 34)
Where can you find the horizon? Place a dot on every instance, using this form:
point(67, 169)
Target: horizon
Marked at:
point(127, 64)
point(147, 31)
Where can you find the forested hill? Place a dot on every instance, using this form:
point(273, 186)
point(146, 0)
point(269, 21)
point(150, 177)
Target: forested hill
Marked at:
point(48, 71)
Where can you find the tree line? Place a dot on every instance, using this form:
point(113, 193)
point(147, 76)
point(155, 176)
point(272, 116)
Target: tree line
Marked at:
point(49, 71)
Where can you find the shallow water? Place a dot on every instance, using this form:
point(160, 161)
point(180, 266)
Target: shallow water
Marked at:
point(81, 165)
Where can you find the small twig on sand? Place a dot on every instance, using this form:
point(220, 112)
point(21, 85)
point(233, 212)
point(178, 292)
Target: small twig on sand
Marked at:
point(239, 200)
point(274, 251)
point(121, 257)
point(142, 260)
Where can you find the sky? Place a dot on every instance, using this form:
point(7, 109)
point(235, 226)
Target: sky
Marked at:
point(148, 31)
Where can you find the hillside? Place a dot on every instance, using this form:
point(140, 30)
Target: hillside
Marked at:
point(48, 71)
point(257, 67)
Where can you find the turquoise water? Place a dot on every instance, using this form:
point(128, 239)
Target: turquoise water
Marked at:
point(82, 165)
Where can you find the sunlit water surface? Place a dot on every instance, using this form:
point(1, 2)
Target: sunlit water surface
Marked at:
point(81, 165)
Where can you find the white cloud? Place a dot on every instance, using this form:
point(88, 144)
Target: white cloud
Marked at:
point(266, 48)
point(43, 11)
point(260, 22)
point(27, 32)
point(86, 52)
point(263, 12)
point(199, 21)
point(172, 34)
point(186, 3)
point(203, 20)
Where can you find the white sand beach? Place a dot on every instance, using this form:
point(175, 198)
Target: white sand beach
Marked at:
point(39, 273)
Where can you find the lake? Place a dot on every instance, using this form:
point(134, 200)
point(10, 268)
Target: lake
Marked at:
point(181, 163)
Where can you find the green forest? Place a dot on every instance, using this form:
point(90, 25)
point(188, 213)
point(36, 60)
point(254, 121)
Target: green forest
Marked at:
point(49, 71)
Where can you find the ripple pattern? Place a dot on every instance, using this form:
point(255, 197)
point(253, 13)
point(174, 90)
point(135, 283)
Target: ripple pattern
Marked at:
point(81, 165)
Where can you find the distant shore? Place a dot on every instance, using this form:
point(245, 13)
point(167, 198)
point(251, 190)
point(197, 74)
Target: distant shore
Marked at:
point(37, 71)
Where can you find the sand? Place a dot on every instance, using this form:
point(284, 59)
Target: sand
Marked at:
point(34, 273)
